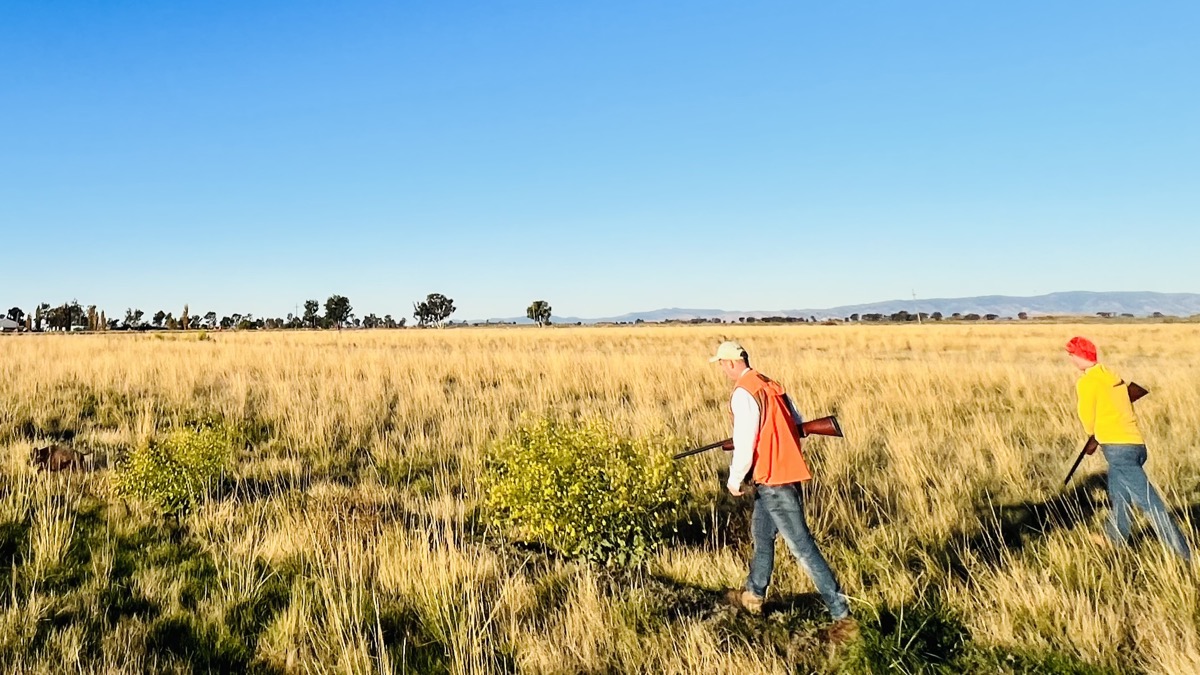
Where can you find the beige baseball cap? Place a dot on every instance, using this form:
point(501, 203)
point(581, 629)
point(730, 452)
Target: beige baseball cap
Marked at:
point(729, 351)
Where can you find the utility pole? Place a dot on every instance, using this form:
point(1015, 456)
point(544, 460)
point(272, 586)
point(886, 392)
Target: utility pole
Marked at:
point(915, 307)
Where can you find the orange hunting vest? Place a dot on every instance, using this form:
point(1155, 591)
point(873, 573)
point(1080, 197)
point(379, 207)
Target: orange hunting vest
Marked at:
point(778, 458)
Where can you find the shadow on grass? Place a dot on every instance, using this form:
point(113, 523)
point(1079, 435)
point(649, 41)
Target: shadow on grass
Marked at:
point(419, 476)
point(204, 647)
point(257, 488)
point(54, 429)
point(788, 628)
point(1016, 523)
point(408, 641)
point(927, 636)
point(254, 489)
point(100, 586)
point(13, 538)
point(715, 522)
point(1007, 529)
point(230, 644)
point(682, 600)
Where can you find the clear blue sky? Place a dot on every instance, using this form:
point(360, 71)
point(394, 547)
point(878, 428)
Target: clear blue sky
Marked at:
point(605, 156)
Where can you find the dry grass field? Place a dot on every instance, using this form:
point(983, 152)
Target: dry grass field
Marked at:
point(348, 537)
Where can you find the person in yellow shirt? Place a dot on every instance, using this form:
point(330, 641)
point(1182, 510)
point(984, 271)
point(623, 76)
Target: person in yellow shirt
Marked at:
point(1107, 414)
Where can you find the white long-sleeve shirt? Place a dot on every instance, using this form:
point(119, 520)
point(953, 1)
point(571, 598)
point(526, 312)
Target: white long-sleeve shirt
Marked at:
point(745, 433)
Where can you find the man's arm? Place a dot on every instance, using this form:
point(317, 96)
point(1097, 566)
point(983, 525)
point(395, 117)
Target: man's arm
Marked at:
point(1087, 405)
point(745, 434)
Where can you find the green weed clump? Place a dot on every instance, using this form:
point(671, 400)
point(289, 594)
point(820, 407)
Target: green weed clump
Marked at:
point(581, 491)
point(172, 473)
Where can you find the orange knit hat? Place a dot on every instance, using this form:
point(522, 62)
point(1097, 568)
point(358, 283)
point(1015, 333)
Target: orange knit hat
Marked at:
point(1083, 348)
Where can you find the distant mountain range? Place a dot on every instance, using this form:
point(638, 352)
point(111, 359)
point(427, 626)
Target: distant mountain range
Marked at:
point(1087, 303)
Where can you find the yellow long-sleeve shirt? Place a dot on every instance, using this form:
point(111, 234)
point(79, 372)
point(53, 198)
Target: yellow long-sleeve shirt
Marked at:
point(1104, 407)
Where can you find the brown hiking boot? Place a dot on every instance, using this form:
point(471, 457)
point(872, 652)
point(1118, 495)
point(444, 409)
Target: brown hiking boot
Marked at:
point(842, 631)
point(743, 599)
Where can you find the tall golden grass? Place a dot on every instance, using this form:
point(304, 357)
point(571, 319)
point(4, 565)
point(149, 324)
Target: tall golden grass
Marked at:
point(348, 539)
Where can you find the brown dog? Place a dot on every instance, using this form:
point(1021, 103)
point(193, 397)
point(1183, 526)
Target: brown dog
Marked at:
point(57, 458)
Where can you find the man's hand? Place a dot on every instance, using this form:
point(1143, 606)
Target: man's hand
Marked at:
point(736, 492)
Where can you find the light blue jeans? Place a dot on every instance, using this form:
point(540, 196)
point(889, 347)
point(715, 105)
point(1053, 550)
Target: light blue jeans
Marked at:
point(780, 509)
point(1128, 486)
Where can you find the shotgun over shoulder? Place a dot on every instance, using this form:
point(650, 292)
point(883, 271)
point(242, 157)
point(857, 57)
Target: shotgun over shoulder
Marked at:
point(822, 426)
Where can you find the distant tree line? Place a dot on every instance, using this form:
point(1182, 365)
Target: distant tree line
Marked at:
point(338, 313)
point(432, 312)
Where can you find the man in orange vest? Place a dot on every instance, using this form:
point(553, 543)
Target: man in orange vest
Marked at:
point(767, 450)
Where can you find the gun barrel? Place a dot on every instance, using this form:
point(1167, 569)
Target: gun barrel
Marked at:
point(704, 448)
point(1078, 460)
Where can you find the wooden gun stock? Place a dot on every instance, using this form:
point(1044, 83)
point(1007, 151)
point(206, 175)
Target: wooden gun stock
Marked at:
point(823, 426)
point(1136, 393)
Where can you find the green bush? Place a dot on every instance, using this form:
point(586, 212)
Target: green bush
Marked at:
point(172, 473)
point(581, 491)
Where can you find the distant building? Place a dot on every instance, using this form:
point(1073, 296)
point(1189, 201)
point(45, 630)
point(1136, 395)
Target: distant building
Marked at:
point(7, 325)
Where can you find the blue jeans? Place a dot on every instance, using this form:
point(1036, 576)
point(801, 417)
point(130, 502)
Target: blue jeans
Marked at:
point(780, 509)
point(1128, 486)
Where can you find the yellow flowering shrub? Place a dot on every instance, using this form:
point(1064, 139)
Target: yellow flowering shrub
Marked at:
point(172, 472)
point(582, 491)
